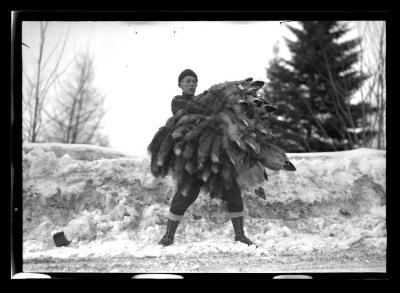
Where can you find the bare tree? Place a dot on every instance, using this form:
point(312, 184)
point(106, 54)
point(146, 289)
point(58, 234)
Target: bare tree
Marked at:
point(339, 93)
point(374, 62)
point(37, 85)
point(79, 109)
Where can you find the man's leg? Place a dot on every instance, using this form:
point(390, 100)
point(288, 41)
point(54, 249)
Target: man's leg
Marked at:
point(234, 200)
point(178, 207)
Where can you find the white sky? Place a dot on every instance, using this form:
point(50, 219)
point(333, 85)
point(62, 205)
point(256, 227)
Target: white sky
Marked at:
point(138, 63)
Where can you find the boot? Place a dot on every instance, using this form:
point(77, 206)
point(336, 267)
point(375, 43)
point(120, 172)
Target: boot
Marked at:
point(237, 223)
point(168, 238)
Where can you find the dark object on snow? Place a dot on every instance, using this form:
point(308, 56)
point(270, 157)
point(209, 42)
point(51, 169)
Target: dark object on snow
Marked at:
point(260, 192)
point(345, 212)
point(196, 217)
point(60, 240)
point(216, 137)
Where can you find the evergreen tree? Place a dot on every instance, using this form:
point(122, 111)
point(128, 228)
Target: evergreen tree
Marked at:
point(313, 90)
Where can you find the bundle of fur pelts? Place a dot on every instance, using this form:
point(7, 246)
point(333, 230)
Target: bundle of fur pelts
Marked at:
point(219, 134)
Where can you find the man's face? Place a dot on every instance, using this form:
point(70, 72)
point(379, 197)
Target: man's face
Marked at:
point(188, 85)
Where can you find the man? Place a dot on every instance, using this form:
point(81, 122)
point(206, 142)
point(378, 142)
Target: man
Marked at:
point(187, 81)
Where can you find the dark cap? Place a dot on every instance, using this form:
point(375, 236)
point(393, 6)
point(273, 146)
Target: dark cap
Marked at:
point(187, 72)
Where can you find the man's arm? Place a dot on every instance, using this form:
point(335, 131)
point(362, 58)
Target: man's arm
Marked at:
point(179, 102)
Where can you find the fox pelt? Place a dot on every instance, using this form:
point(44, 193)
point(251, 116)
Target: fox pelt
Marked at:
point(220, 134)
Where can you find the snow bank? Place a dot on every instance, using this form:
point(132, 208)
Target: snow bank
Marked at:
point(348, 182)
point(84, 152)
point(96, 195)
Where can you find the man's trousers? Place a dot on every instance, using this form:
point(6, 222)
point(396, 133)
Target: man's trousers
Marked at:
point(232, 196)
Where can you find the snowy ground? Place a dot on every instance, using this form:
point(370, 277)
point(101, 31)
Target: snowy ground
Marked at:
point(328, 216)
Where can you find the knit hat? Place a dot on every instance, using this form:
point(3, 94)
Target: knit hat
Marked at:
point(187, 72)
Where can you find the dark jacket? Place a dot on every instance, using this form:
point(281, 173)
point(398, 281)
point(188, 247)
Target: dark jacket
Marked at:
point(185, 101)
point(180, 102)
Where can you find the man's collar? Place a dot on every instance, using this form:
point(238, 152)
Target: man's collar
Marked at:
point(187, 95)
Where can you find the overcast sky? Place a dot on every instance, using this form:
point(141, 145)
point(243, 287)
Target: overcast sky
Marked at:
point(138, 63)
